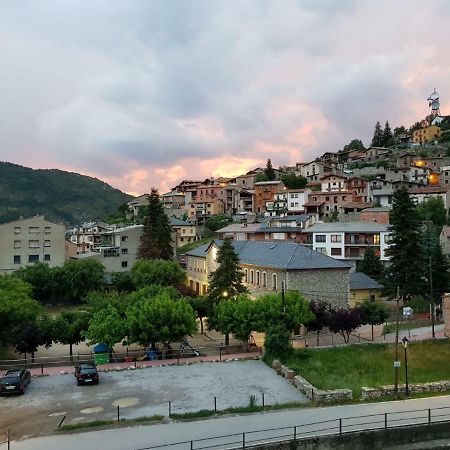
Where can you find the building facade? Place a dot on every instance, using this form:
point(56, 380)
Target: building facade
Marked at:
point(31, 240)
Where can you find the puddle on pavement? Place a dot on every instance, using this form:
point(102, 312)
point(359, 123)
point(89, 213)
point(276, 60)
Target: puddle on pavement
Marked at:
point(56, 414)
point(92, 410)
point(126, 402)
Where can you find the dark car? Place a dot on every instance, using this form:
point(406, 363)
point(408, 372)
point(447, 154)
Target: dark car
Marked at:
point(15, 381)
point(86, 373)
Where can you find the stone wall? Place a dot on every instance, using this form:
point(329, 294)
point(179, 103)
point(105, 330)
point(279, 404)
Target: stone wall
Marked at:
point(309, 390)
point(368, 393)
point(332, 286)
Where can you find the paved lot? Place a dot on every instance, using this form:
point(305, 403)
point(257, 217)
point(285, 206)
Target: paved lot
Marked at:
point(141, 392)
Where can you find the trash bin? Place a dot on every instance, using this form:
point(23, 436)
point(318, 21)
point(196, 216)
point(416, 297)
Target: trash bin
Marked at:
point(101, 354)
point(152, 355)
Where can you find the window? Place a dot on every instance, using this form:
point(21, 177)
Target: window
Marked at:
point(246, 275)
point(183, 231)
point(387, 238)
point(16, 259)
point(336, 251)
point(47, 230)
point(124, 239)
point(258, 277)
point(33, 244)
point(252, 276)
point(16, 230)
point(321, 238)
point(322, 250)
point(33, 230)
point(124, 251)
point(336, 238)
point(17, 244)
point(46, 257)
point(47, 243)
point(274, 281)
point(376, 239)
point(124, 264)
point(264, 279)
point(33, 258)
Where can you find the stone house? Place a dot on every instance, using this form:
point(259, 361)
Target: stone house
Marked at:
point(265, 191)
point(183, 232)
point(362, 287)
point(267, 266)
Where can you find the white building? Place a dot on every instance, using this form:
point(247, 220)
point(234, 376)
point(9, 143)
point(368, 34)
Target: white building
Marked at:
point(296, 199)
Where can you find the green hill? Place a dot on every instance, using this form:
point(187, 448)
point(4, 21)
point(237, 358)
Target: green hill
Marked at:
point(62, 196)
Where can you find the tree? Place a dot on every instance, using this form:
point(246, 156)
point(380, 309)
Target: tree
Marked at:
point(41, 278)
point(292, 313)
point(433, 210)
point(160, 319)
point(373, 313)
point(79, 277)
point(354, 144)
point(292, 181)
point(388, 138)
point(226, 280)
point(201, 306)
point(269, 171)
point(217, 222)
point(30, 335)
point(405, 250)
point(156, 240)
point(344, 321)
point(157, 272)
point(237, 317)
point(16, 306)
point(68, 328)
point(122, 281)
point(261, 177)
point(371, 265)
point(377, 140)
point(321, 313)
point(277, 342)
point(107, 326)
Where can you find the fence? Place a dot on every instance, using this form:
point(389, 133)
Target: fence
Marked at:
point(297, 433)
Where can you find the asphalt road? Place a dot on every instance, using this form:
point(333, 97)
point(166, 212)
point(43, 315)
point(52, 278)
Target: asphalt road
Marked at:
point(399, 412)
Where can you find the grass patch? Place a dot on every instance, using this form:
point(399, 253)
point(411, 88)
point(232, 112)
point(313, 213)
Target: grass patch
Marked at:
point(192, 245)
point(112, 422)
point(370, 365)
point(237, 410)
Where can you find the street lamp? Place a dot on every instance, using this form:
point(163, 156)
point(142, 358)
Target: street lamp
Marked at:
point(225, 294)
point(405, 346)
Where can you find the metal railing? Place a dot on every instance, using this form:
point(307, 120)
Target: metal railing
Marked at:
point(338, 426)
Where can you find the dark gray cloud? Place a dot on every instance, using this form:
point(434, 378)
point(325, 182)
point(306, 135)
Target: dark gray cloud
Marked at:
point(124, 89)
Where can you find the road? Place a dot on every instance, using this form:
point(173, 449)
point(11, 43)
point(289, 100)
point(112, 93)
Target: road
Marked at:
point(146, 436)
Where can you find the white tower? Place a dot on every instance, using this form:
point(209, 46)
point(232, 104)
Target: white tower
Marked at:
point(433, 103)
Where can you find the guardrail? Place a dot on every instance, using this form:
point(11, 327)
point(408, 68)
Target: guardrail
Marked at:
point(301, 432)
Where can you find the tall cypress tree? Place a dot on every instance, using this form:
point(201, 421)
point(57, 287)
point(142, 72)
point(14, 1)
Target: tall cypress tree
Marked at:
point(270, 173)
point(156, 240)
point(377, 140)
point(226, 281)
point(406, 269)
point(387, 135)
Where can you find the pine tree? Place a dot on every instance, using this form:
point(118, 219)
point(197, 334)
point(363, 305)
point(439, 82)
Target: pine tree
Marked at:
point(226, 281)
point(270, 173)
point(156, 240)
point(377, 140)
point(371, 265)
point(405, 251)
point(387, 135)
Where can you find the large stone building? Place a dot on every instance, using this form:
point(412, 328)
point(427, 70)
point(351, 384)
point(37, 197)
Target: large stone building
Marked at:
point(269, 265)
point(32, 240)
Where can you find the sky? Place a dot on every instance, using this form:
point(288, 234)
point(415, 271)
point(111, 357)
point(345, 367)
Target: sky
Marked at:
point(143, 93)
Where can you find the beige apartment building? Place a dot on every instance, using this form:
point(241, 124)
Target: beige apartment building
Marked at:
point(27, 241)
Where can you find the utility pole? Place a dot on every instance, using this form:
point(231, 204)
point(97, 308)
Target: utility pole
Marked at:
point(396, 361)
point(433, 334)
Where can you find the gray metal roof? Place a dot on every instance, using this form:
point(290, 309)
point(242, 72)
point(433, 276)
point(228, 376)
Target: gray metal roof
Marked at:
point(174, 222)
point(359, 280)
point(278, 255)
point(349, 227)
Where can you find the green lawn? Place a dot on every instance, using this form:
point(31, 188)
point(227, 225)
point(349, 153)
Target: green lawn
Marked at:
point(390, 327)
point(54, 311)
point(371, 365)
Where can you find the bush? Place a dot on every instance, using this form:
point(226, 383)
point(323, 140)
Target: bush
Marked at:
point(419, 304)
point(277, 342)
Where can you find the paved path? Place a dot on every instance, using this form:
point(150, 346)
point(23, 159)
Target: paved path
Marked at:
point(146, 436)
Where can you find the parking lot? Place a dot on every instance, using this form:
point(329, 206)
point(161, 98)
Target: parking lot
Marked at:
point(142, 392)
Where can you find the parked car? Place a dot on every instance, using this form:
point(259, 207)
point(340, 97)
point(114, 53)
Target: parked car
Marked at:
point(86, 373)
point(15, 381)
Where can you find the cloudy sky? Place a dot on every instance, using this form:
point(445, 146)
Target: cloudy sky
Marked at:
point(146, 93)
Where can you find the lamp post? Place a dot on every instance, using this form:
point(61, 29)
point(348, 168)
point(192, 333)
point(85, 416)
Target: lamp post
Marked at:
point(405, 346)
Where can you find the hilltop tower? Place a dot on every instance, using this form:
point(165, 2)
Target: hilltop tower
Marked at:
point(433, 103)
